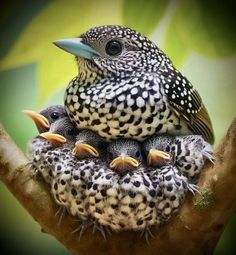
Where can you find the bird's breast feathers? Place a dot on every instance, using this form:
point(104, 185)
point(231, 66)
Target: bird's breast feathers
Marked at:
point(133, 107)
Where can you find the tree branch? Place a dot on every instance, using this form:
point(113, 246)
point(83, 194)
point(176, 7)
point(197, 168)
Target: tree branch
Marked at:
point(196, 229)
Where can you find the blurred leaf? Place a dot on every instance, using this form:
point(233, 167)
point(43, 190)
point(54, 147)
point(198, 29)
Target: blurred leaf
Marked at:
point(207, 26)
point(174, 46)
point(57, 20)
point(226, 244)
point(143, 15)
point(15, 15)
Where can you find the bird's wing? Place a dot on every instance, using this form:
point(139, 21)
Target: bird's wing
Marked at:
point(187, 103)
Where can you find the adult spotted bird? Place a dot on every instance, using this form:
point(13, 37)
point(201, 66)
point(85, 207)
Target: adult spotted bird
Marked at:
point(127, 87)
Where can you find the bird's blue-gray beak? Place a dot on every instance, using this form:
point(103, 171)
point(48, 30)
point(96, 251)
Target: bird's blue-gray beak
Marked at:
point(76, 47)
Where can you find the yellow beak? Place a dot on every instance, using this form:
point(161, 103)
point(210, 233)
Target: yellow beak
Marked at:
point(38, 118)
point(84, 150)
point(122, 164)
point(158, 158)
point(53, 137)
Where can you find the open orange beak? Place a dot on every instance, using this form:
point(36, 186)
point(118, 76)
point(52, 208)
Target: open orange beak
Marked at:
point(53, 138)
point(122, 164)
point(84, 150)
point(38, 118)
point(158, 158)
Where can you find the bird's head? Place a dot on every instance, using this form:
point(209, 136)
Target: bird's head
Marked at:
point(46, 117)
point(112, 50)
point(157, 150)
point(60, 132)
point(124, 155)
point(88, 145)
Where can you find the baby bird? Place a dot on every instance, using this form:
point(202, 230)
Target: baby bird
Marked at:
point(61, 131)
point(89, 145)
point(43, 120)
point(124, 155)
point(187, 153)
point(109, 196)
point(91, 191)
point(46, 117)
point(49, 115)
point(53, 147)
point(154, 149)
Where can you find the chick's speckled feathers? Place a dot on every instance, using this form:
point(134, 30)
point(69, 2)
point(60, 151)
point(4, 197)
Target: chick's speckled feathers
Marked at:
point(127, 87)
point(188, 153)
point(91, 191)
point(124, 155)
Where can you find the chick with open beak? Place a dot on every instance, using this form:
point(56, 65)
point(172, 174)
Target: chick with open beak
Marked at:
point(88, 145)
point(46, 117)
point(49, 121)
point(124, 155)
point(61, 131)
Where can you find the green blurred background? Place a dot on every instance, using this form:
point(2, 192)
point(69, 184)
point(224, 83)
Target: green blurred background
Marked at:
point(199, 36)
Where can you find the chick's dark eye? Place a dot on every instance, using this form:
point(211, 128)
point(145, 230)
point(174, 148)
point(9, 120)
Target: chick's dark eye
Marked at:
point(137, 154)
point(113, 48)
point(71, 132)
point(54, 115)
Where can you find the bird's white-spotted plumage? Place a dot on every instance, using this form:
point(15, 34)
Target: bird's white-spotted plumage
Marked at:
point(134, 93)
point(126, 108)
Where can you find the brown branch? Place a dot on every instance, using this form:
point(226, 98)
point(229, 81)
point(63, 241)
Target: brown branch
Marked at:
point(195, 230)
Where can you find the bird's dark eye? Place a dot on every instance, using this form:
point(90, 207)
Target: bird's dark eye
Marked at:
point(71, 132)
point(113, 48)
point(137, 154)
point(54, 115)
